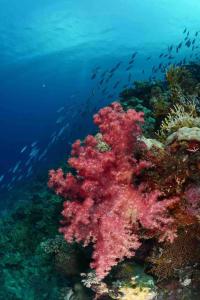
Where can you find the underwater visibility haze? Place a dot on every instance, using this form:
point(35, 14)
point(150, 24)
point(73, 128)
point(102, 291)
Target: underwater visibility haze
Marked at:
point(99, 109)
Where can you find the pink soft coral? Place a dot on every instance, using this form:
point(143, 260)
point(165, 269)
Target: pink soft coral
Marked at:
point(106, 207)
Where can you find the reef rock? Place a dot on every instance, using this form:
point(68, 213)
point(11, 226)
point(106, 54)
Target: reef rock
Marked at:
point(184, 134)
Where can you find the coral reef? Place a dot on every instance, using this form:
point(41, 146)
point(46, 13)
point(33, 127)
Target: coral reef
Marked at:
point(131, 195)
point(29, 244)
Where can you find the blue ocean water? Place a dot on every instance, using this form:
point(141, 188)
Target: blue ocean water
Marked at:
point(52, 57)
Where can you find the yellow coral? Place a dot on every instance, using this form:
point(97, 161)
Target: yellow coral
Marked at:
point(178, 117)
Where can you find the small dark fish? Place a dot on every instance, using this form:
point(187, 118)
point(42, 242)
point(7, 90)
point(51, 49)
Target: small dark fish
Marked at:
point(193, 47)
point(131, 61)
point(171, 57)
point(161, 55)
point(184, 31)
point(110, 96)
point(104, 91)
point(130, 67)
point(112, 70)
point(197, 32)
point(134, 55)
point(188, 33)
point(179, 45)
point(93, 76)
point(101, 82)
point(118, 65)
point(116, 84)
point(188, 43)
point(142, 71)
point(170, 48)
point(149, 57)
point(165, 55)
point(193, 41)
point(185, 39)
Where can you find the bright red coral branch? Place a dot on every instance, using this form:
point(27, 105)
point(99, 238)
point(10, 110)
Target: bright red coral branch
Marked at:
point(104, 204)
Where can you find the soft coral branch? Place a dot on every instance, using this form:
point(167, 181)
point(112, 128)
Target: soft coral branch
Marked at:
point(106, 207)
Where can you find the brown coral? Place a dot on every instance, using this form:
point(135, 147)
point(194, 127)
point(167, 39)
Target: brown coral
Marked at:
point(182, 252)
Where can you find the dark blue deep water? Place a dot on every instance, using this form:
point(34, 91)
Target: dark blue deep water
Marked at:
point(49, 50)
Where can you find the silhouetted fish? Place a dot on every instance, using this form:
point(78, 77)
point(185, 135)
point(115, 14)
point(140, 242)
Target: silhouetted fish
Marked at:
point(179, 45)
point(131, 61)
point(116, 84)
point(161, 55)
point(184, 31)
point(134, 54)
point(188, 43)
point(130, 67)
point(101, 82)
point(93, 76)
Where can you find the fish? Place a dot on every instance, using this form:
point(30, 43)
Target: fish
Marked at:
point(101, 82)
point(63, 129)
point(179, 45)
point(60, 109)
point(170, 48)
point(60, 120)
point(131, 61)
point(148, 58)
point(34, 152)
point(129, 67)
point(93, 76)
point(34, 144)
point(16, 166)
point(104, 90)
point(193, 41)
point(188, 43)
point(116, 84)
point(161, 55)
point(196, 33)
point(134, 54)
point(1, 178)
point(23, 149)
point(184, 31)
point(43, 154)
point(118, 65)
